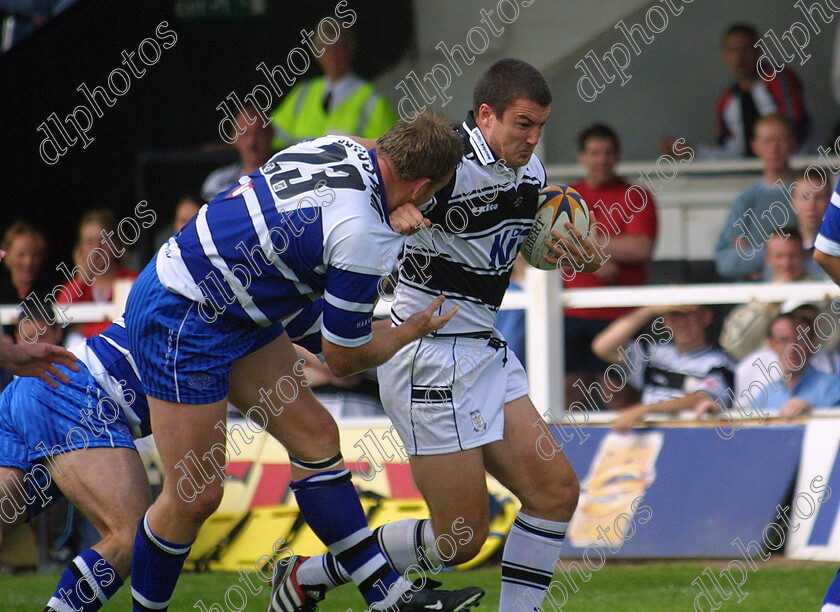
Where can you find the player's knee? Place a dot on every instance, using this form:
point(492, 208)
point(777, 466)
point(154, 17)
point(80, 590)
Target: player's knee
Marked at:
point(199, 510)
point(557, 499)
point(466, 550)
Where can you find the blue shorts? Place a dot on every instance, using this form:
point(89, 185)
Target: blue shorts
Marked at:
point(181, 357)
point(38, 422)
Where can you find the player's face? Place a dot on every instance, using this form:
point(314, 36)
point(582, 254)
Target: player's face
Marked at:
point(24, 259)
point(513, 136)
point(786, 259)
point(740, 55)
point(812, 205)
point(598, 158)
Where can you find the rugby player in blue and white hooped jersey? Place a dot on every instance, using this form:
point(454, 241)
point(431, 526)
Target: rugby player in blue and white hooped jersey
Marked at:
point(214, 315)
point(827, 254)
point(458, 397)
point(78, 438)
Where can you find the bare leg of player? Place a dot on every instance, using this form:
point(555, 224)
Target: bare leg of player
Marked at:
point(548, 490)
point(110, 487)
point(193, 454)
point(455, 488)
point(12, 504)
point(321, 483)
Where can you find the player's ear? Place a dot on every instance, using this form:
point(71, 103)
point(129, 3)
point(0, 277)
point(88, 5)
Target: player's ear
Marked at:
point(485, 111)
point(419, 185)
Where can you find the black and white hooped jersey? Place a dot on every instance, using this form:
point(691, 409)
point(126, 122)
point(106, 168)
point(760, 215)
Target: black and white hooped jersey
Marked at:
point(480, 219)
point(311, 222)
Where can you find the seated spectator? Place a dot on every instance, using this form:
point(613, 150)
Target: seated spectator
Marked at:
point(186, 208)
point(511, 323)
point(801, 386)
point(811, 204)
point(254, 148)
point(627, 214)
point(20, 275)
point(97, 266)
point(680, 371)
point(745, 327)
point(825, 358)
point(340, 102)
point(760, 210)
point(759, 90)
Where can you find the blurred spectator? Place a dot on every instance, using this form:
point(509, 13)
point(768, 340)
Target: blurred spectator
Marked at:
point(186, 208)
point(511, 323)
point(760, 210)
point(825, 359)
point(627, 214)
point(801, 386)
point(751, 96)
point(254, 148)
point(97, 265)
point(811, 204)
point(20, 275)
point(680, 371)
point(340, 102)
point(745, 327)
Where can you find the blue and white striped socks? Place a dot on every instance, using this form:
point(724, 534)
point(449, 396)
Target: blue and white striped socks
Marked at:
point(87, 583)
point(155, 569)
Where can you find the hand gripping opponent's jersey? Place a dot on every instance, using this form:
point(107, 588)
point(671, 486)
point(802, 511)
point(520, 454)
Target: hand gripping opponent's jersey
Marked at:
point(311, 223)
point(480, 219)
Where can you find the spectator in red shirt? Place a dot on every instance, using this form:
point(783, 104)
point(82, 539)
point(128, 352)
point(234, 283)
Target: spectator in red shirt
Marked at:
point(759, 90)
point(631, 238)
point(97, 258)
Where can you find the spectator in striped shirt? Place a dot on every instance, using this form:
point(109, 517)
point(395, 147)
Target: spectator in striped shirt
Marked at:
point(678, 370)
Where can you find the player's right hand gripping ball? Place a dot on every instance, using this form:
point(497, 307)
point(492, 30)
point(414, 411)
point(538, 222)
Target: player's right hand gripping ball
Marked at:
point(557, 204)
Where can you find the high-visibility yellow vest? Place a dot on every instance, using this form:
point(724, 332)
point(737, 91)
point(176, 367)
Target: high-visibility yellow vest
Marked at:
point(301, 115)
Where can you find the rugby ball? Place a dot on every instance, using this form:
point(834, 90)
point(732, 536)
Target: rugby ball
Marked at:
point(557, 204)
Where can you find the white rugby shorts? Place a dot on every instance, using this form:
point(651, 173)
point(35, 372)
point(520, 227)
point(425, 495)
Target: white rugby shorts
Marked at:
point(448, 394)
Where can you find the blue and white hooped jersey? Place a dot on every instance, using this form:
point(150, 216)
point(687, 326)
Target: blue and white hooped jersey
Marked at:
point(312, 222)
point(828, 240)
point(109, 361)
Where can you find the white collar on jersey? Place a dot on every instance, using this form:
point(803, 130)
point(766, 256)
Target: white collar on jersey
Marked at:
point(478, 142)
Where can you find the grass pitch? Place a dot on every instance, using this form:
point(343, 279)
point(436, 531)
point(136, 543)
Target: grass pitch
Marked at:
point(630, 587)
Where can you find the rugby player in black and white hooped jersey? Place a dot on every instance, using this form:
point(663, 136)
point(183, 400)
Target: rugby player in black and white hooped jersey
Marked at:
point(458, 397)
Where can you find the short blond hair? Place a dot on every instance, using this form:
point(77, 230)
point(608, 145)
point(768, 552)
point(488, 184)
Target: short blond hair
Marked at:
point(427, 147)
